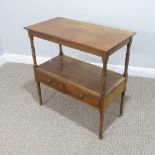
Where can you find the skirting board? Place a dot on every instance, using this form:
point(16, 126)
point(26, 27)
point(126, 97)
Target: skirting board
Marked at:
point(133, 71)
point(2, 60)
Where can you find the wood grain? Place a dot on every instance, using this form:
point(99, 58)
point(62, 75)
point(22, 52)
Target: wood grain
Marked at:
point(95, 39)
point(80, 74)
point(93, 85)
point(125, 75)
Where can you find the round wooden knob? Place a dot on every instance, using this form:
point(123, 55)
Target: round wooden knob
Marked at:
point(49, 81)
point(81, 96)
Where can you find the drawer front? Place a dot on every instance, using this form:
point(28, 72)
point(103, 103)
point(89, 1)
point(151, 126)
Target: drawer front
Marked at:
point(82, 95)
point(49, 81)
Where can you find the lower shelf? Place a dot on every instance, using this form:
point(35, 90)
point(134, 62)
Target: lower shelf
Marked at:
point(79, 79)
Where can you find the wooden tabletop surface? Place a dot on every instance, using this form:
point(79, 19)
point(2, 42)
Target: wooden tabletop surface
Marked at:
point(95, 39)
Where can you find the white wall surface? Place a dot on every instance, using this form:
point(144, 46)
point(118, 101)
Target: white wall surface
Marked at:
point(1, 48)
point(137, 16)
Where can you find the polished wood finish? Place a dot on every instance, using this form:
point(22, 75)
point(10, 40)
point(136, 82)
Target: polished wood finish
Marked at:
point(82, 95)
point(35, 65)
point(32, 49)
point(73, 74)
point(92, 85)
point(114, 94)
point(48, 80)
point(103, 96)
point(80, 74)
point(60, 50)
point(91, 38)
point(125, 75)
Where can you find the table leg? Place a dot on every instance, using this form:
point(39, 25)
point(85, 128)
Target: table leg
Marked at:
point(60, 50)
point(125, 75)
point(39, 92)
point(35, 66)
point(102, 97)
point(101, 122)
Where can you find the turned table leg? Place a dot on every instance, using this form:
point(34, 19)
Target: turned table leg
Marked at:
point(102, 96)
point(101, 122)
point(35, 66)
point(39, 92)
point(60, 50)
point(125, 75)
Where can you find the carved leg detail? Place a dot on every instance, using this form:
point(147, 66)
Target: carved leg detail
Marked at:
point(125, 75)
point(35, 65)
point(102, 97)
point(39, 92)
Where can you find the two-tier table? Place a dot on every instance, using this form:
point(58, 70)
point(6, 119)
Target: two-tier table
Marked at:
point(88, 83)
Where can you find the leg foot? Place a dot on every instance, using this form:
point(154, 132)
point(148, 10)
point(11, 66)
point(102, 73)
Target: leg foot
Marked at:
point(101, 125)
point(122, 103)
point(39, 92)
point(100, 135)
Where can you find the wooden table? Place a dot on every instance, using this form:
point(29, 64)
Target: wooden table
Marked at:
point(88, 83)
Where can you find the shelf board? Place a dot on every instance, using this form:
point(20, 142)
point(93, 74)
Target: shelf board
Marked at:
point(80, 74)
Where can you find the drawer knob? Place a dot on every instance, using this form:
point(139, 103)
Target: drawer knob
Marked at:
point(49, 81)
point(81, 96)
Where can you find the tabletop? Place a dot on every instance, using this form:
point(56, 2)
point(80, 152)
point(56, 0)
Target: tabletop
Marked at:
point(92, 38)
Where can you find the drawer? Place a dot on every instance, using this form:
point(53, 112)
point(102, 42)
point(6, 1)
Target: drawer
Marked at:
point(82, 95)
point(49, 81)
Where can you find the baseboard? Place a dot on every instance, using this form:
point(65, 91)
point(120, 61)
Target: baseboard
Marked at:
point(23, 59)
point(2, 60)
point(133, 71)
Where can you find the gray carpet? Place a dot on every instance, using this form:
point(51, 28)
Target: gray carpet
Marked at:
point(62, 126)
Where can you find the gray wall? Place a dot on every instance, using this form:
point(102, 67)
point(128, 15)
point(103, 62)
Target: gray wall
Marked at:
point(129, 14)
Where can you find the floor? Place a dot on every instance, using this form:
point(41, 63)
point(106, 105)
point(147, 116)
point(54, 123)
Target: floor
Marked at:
point(62, 126)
